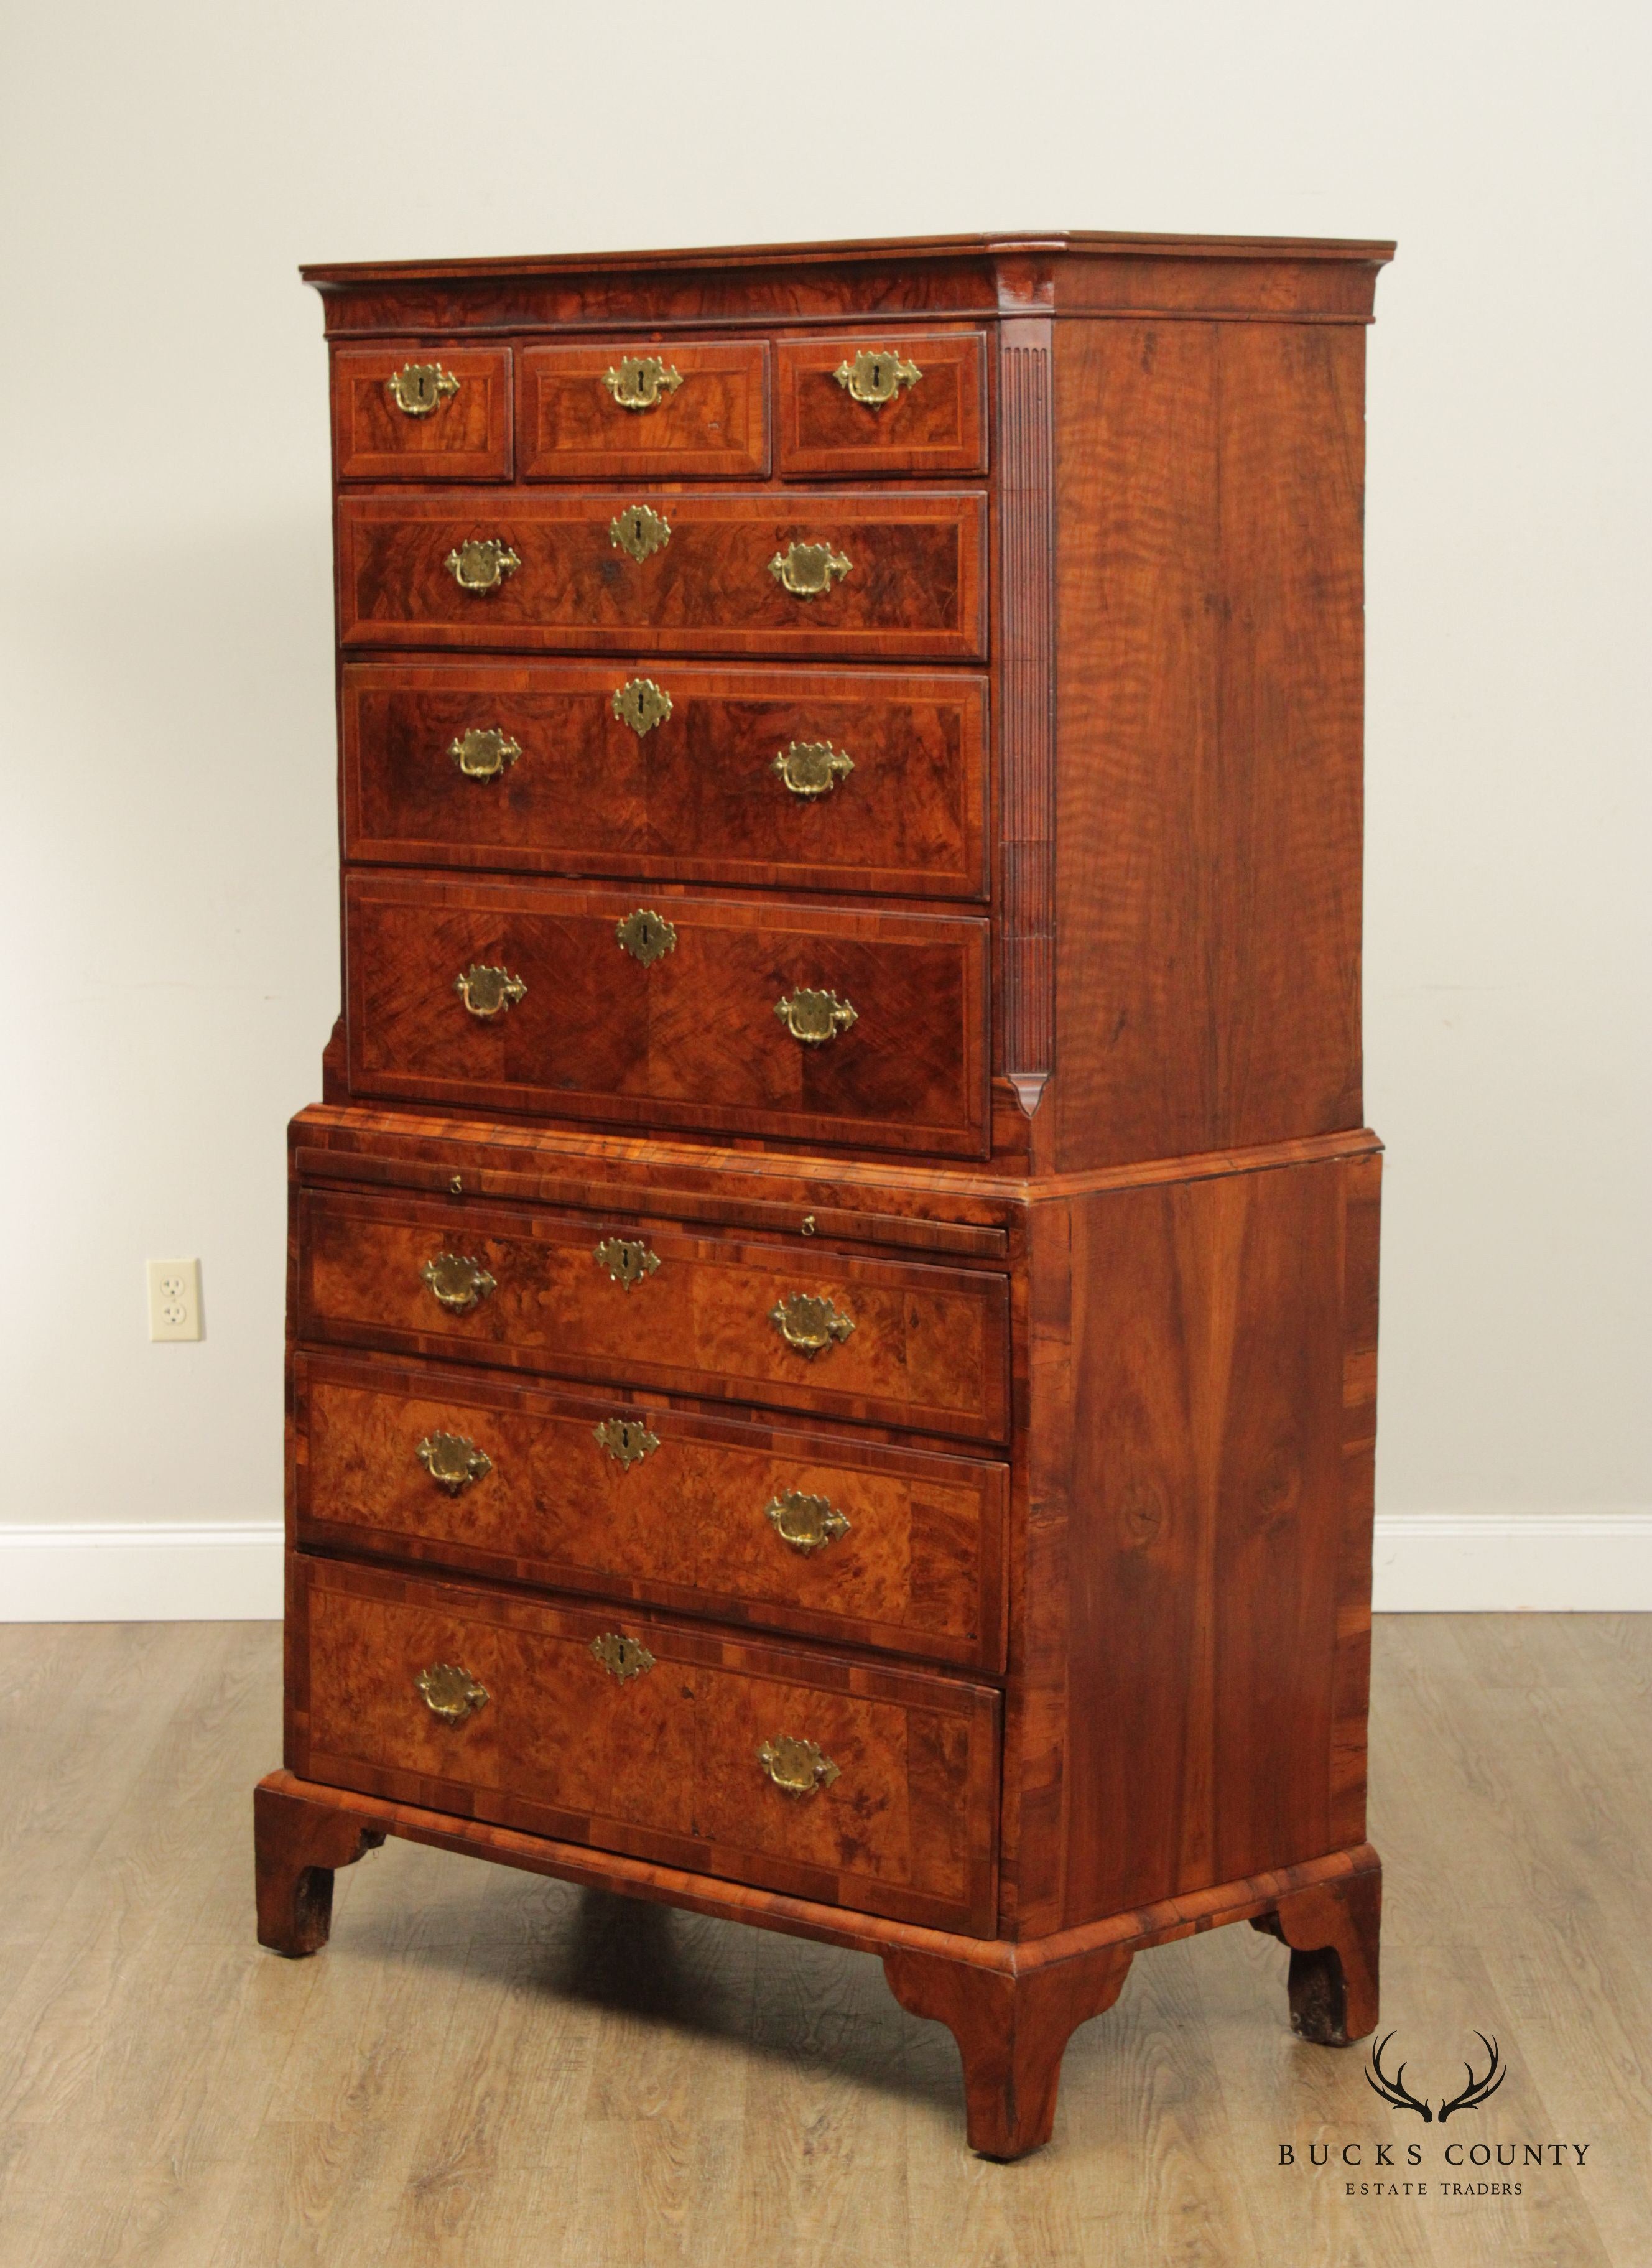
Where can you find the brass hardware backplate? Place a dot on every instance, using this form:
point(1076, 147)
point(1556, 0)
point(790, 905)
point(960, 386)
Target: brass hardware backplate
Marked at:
point(459, 1282)
point(482, 752)
point(647, 937)
point(642, 704)
point(797, 1767)
point(488, 992)
point(810, 1324)
point(623, 1658)
point(453, 1461)
point(806, 569)
point(627, 1259)
point(450, 1693)
point(628, 1440)
point(481, 563)
point(639, 532)
point(642, 381)
point(806, 1523)
point(876, 376)
point(811, 768)
point(419, 389)
point(814, 1017)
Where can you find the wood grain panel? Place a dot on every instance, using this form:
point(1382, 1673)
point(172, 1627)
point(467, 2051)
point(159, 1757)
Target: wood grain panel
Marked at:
point(915, 586)
point(929, 1349)
point(938, 424)
point(692, 1039)
point(466, 438)
point(663, 1765)
point(918, 1570)
point(695, 799)
point(715, 424)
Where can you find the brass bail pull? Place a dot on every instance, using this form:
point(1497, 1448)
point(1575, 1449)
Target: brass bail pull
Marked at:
point(797, 1767)
point(642, 381)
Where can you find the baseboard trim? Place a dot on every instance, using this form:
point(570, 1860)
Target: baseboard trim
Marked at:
point(1426, 1563)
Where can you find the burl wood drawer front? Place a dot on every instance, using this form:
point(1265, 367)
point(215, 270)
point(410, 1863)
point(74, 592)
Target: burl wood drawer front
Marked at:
point(881, 402)
point(597, 1726)
point(894, 1548)
point(415, 414)
point(790, 778)
point(899, 573)
point(523, 997)
point(636, 411)
point(792, 1326)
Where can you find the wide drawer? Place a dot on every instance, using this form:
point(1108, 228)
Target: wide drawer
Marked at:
point(632, 1303)
point(867, 1544)
point(689, 410)
point(415, 414)
point(894, 573)
point(800, 1772)
point(662, 1009)
point(796, 778)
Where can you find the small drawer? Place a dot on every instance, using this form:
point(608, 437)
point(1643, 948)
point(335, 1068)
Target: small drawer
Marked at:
point(633, 571)
point(893, 1548)
point(794, 1769)
point(788, 779)
point(418, 413)
point(882, 401)
point(630, 1303)
point(648, 1007)
point(635, 412)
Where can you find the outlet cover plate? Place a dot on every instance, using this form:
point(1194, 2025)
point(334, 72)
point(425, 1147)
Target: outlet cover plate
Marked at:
point(174, 1299)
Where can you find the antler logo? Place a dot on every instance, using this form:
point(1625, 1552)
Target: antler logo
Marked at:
point(1395, 2090)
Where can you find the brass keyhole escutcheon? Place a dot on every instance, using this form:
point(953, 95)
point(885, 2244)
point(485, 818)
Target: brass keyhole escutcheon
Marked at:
point(814, 1018)
point(628, 1440)
point(482, 752)
point(797, 1767)
point(488, 992)
point(876, 376)
point(459, 1282)
point(481, 563)
point(647, 937)
point(808, 1523)
point(624, 1658)
point(812, 768)
point(453, 1461)
point(806, 569)
point(420, 388)
point(451, 1693)
point(809, 1323)
point(642, 704)
point(627, 1260)
point(639, 532)
point(642, 381)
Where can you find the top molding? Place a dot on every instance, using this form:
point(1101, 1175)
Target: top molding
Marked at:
point(1058, 273)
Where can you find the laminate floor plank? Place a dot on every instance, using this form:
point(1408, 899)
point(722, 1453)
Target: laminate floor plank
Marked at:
point(486, 2070)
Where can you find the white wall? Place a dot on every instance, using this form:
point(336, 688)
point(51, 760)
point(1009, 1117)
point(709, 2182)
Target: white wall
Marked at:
point(170, 971)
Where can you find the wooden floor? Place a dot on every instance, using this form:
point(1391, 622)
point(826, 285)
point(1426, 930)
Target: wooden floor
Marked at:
point(488, 2069)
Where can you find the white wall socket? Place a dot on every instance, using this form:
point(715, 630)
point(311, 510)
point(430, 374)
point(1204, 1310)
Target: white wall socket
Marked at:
point(174, 1299)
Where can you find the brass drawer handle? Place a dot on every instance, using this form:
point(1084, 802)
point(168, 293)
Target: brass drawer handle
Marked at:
point(642, 381)
point(627, 1259)
point(811, 768)
point(487, 991)
point(459, 1282)
point(797, 1767)
point(877, 375)
point(639, 532)
point(419, 389)
point(451, 1693)
point(810, 1324)
point(806, 569)
point(482, 752)
point(624, 1658)
point(808, 1523)
point(647, 937)
point(814, 1018)
point(628, 1440)
point(482, 564)
point(453, 1461)
point(642, 704)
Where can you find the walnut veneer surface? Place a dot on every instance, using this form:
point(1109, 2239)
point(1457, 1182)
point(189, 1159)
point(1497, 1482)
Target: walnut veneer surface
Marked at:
point(833, 1282)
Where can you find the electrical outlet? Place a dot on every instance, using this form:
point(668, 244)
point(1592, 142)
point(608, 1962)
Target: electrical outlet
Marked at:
point(174, 1299)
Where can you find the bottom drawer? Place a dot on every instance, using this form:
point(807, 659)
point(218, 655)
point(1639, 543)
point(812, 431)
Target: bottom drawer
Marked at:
point(796, 1772)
